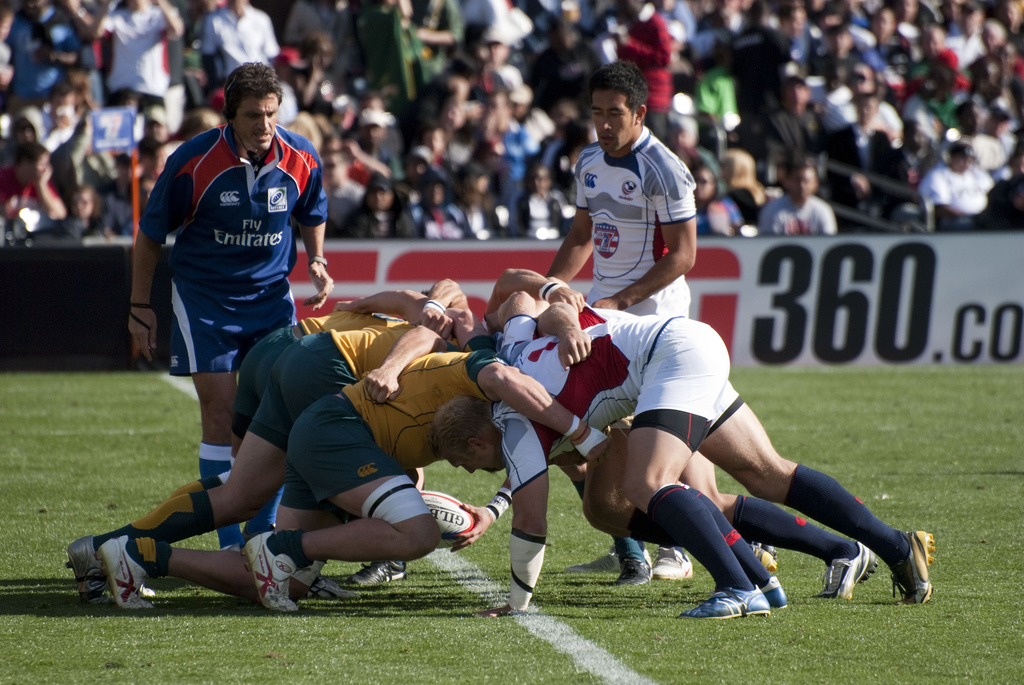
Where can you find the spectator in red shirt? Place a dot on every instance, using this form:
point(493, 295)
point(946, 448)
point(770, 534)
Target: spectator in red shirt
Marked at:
point(27, 185)
point(644, 40)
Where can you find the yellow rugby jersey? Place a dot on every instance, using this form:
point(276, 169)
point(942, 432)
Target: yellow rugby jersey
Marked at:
point(363, 340)
point(400, 426)
point(347, 321)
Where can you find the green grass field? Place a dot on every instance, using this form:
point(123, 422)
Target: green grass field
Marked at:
point(926, 448)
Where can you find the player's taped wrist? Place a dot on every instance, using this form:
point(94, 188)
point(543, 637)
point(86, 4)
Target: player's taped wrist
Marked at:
point(591, 439)
point(550, 287)
point(527, 554)
point(500, 502)
point(434, 304)
point(573, 428)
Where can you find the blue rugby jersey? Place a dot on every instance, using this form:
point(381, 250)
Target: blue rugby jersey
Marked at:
point(234, 225)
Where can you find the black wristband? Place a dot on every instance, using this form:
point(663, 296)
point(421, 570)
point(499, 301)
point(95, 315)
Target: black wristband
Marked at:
point(141, 305)
point(140, 321)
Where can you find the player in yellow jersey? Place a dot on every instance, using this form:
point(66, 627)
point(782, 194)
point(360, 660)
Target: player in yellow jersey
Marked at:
point(344, 462)
point(342, 358)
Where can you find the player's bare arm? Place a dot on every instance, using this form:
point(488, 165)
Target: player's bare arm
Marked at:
point(538, 286)
point(425, 310)
point(575, 249)
point(449, 293)
point(313, 239)
point(142, 319)
point(405, 304)
point(414, 307)
point(381, 384)
point(433, 312)
point(527, 396)
point(562, 321)
point(681, 243)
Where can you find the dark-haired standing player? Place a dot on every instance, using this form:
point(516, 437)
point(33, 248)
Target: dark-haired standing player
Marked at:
point(635, 213)
point(230, 194)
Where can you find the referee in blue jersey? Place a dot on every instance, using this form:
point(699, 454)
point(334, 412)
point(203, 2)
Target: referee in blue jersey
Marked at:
point(230, 194)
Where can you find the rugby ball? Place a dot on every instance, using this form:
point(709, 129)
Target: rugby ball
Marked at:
point(451, 517)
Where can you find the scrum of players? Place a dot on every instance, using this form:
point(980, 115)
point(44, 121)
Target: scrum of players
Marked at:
point(354, 404)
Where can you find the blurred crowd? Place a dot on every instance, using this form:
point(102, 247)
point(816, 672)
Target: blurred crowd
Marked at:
point(449, 119)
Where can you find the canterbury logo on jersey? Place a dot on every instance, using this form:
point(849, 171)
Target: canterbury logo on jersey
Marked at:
point(229, 198)
point(367, 469)
point(590, 180)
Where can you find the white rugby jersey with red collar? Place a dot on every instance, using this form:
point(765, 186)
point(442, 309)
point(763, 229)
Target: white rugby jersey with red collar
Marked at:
point(629, 199)
point(235, 233)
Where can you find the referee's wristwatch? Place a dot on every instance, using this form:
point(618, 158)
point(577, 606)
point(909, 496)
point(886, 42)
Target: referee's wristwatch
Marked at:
point(317, 260)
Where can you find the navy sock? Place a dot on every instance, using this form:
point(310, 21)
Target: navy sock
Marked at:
point(643, 528)
point(822, 498)
point(677, 509)
point(754, 569)
point(765, 522)
point(289, 542)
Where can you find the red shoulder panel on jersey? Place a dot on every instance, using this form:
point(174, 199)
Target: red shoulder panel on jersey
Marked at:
point(297, 164)
point(205, 168)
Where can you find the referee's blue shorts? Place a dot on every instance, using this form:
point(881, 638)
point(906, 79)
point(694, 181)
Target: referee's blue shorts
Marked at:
point(211, 333)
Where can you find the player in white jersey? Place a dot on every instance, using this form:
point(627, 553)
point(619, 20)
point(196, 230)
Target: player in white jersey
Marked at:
point(635, 209)
point(674, 373)
point(643, 364)
point(635, 214)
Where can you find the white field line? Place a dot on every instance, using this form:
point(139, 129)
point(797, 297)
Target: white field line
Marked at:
point(182, 383)
point(588, 656)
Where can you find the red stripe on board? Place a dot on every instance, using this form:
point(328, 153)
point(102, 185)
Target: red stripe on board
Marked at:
point(471, 265)
point(346, 267)
point(719, 312)
point(715, 262)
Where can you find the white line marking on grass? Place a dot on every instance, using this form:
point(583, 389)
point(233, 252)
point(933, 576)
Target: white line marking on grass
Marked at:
point(182, 383)
point(585, 653)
